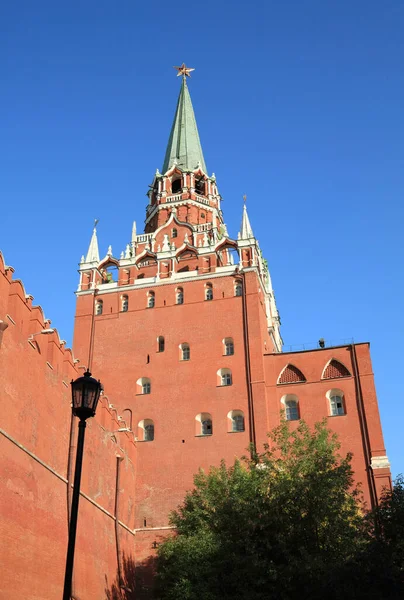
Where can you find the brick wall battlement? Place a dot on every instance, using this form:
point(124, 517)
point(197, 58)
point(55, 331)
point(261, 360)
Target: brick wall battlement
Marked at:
point(38, 438)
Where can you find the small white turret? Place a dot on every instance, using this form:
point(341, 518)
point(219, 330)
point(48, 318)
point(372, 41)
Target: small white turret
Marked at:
point(246, 232)
point(93, 254)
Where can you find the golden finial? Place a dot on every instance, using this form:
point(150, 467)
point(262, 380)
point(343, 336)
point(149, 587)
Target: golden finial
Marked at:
point(183, 70)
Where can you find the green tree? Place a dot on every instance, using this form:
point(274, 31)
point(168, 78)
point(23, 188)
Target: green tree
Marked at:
point(273, 526)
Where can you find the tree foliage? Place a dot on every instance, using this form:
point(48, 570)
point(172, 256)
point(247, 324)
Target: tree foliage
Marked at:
point(278, 525)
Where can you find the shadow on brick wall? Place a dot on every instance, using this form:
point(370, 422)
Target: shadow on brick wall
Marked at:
point(136, 581)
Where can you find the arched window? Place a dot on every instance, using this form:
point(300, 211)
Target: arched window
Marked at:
point(174, 233)
point(236, 420)
point(160, 344)
point(124, 304)
point(146, 430)
point(291, 404)
point(149, 432)
point(203, 424)
point(207, 427)
point(98, 307)
point(185, 352)
point(224, 377)
point(238, 288)
point(176, 186)
point(228, 346)
point(208, 291)
point(336, 400)
point(179, 297)
point(143, 385)
point(151, 300)
point(200, 186)
point(292, 411)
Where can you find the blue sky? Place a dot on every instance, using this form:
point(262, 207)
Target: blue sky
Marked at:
point(299, 106)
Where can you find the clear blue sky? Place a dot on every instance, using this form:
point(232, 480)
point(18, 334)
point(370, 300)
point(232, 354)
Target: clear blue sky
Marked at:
point(299, 105)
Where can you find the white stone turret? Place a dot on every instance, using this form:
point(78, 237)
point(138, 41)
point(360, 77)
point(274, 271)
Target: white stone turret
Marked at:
point(93, 254)
point(133, 240)
point(246, 232)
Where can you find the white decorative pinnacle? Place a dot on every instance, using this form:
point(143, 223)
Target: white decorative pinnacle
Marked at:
point(133, 232)
point(93, 254)
point(127, 251)
point(166, 244)
point(109, 251)
point(246, 232)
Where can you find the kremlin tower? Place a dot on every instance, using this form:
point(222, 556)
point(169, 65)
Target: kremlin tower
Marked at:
point(184, 327)
point(183, 330)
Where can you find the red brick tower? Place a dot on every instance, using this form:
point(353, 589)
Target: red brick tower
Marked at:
point(184, 329)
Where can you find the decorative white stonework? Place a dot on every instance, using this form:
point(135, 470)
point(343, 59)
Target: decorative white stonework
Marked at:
point(93, 254)
point(166, 244)
point(246, 232)
point(133, 239)
point(380, 462)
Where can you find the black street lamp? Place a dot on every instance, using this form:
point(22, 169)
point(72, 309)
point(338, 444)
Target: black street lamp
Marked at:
point(85, 394)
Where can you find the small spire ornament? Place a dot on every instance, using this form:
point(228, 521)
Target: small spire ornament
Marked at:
point(184, 71)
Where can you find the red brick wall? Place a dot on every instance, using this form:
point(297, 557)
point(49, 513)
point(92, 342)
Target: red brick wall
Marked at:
point(180, 389)
point(34, 446)
point(314, 405)
point(125, 349)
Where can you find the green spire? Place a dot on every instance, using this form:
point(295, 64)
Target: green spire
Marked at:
point(184, 146)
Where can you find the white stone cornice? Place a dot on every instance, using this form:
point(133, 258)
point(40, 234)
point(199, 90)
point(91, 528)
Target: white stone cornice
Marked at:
point(148, 282)
point(380, 462)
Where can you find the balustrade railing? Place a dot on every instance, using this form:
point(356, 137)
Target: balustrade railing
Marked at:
point(175, 198)
point(202, 199)
point(203, 227)
point(144, 237)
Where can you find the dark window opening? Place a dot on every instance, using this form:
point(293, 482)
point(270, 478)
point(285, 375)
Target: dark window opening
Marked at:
point(176, 186)
point(200, 186)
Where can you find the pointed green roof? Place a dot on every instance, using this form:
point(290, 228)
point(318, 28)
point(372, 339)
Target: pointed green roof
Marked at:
point(184, 146)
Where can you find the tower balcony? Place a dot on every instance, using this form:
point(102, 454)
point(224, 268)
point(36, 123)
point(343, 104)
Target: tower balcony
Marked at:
point(181, 197)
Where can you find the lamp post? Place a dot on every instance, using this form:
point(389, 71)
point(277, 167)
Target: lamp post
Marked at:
point(85, 395)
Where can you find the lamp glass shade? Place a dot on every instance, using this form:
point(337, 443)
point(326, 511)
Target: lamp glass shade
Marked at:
point(85, 395)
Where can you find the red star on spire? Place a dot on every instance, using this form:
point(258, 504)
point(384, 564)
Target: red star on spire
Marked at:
point(184, 70)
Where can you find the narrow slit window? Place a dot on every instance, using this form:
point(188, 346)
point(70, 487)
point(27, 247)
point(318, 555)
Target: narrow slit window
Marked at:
point(228, 347)
point(99, 307)
point(149, 432)
point(151, 300)
point(207, 428)
point(185, 352)
point(179, 296)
